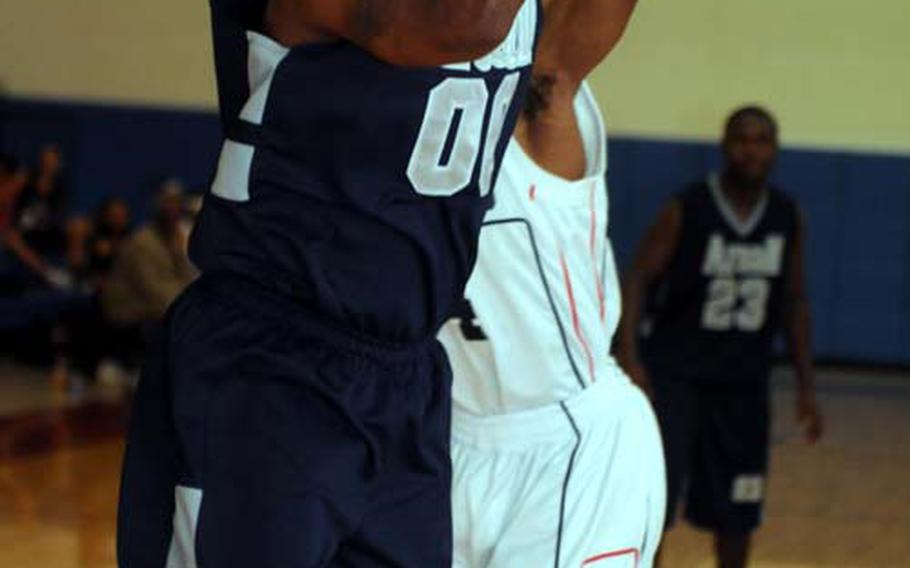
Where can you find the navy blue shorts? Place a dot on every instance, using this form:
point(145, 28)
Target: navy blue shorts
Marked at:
point(716, 448)
point(263, 437)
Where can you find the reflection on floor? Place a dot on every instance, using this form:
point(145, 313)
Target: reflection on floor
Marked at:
point(843, 504)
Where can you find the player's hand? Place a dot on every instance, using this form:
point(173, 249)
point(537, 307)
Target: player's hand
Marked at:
point(808, 417)
point(639, 375)
point(58, 278)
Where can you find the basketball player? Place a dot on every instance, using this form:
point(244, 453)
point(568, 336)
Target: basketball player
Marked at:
point(556, 453)
point(724, 263)
point(297, 413)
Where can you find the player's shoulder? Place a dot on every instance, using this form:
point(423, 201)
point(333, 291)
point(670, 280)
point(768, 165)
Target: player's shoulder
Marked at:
point(685, 205)
point(694, 194)
point(781, 197)
point(782, 203)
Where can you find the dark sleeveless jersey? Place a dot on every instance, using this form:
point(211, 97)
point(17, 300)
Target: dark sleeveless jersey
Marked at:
point(355, 186)
point(715, 312)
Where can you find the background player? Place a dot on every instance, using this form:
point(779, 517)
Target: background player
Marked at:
point(299, 406)
point(723, 265)
point(557, 455)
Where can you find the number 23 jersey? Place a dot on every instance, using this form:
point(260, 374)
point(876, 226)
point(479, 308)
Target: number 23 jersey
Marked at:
point(714, 314)
point(356, 186)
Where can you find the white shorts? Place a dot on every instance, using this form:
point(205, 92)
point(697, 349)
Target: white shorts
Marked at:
point(574, 484)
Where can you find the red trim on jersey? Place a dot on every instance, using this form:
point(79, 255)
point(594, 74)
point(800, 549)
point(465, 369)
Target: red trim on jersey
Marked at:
point(591, 203)
point(532, 193)
point(614, 554)
point(601, 297)
point(575, 321)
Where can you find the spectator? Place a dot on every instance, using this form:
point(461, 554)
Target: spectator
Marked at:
point(94, 343)
point(152, 268)
point(13, 179)
point(94, 248)
point(35, 234)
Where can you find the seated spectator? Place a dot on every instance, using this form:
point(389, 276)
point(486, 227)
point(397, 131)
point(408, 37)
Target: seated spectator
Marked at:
point(110, 229)
point(152, 267)
point(35, 234)
point(95, 344)
point(13, 179)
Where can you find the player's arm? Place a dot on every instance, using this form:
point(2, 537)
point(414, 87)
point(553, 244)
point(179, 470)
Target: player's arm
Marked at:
point(401, 32)
point(798, 321)
point(578, 35)
point(651, 260)
point(14, 242)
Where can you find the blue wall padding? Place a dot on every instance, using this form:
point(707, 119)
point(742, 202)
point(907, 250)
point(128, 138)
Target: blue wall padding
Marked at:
point(115, 150)
point(856, 206)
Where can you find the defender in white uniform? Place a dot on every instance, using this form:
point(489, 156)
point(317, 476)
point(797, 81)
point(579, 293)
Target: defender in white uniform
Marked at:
point(557, 455)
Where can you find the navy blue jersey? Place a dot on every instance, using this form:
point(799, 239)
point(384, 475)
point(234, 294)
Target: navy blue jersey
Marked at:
point(356, 186)
point(717, 308)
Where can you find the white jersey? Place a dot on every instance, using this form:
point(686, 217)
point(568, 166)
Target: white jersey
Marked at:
point(543, 302)
point(557, 458)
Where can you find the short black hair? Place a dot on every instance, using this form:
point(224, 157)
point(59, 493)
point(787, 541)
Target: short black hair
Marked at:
point(751, 111)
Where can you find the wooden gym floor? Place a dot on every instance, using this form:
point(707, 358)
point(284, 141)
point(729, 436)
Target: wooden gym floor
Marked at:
point(844, 503)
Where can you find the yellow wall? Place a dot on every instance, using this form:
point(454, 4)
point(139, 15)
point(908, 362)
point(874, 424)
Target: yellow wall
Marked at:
point(134, 51)
point(837, 72)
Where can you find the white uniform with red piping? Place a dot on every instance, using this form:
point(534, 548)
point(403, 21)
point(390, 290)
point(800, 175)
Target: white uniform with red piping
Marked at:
point(557, 456)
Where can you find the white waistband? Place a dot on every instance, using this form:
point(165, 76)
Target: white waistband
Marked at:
point(558, 421)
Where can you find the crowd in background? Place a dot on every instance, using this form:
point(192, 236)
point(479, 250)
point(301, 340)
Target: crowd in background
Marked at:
point(85, 292)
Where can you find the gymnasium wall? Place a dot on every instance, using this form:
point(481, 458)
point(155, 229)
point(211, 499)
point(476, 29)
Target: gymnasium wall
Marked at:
point(128, 89)
point(834, 71)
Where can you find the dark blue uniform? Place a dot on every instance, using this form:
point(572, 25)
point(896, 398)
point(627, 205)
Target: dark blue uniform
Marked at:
point(299, 404)
point(713, 319)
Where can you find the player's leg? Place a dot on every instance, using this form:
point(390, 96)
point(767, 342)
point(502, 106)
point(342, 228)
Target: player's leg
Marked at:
point(481, 503)
point(407, 527)
point(529, 517)
point(654, 471)
point(279, 470)
point(151, 469)
point(408, 520)
point(615, 497)
point(676, 405)
point(257, 415)
point(728, 479)
point(732, 549)
point(511, 474)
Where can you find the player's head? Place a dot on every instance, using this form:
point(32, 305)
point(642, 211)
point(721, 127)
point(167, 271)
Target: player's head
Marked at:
point(750, 145)
point(113, 217)
point(170, 203)
point(50, 158)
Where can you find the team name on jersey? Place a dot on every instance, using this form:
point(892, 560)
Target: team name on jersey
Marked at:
point(756, 259)
point(516, 51)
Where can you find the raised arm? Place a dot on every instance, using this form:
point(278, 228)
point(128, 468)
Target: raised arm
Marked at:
point(798, 322)
point(578, 35)
point(401, 32)
point(653, 258)
point(14, 242)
